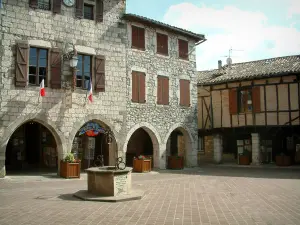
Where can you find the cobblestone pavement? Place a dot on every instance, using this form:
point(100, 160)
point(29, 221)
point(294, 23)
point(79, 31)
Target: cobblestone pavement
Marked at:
point(207, 195)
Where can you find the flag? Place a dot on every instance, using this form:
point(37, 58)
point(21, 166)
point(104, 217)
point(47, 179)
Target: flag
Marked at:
point(42, 88)
point(90, 91)
point(1, 6)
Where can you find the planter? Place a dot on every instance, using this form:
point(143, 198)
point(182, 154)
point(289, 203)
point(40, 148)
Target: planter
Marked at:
point(175, 162)
point(69, 170)
point(244, 160)
point(141, 165)
point(282, 160)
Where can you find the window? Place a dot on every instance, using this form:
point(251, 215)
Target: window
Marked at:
point(37, 66)
point(84, 71)
point(185, 93)
point(201, 144)
point(88, 12)
point(245, 100)
point(183, 49)
point(138, 38)
point(162, 44)
point(138, 87)
point(44, 4)
point(162, 90)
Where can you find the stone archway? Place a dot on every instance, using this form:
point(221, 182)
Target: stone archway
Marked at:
point(88, 148)
point(40, 119)
point(185, 144)
point(155, 139)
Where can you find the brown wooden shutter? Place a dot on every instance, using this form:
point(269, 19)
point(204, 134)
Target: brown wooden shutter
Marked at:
point(233, 109)
point(256, 99)
point(187, 93)
point(56, 6)
point(166, 91)
point(33, 3)
point(135, 37)
point(79, 9)
point(100, 73)
point(21, 64)
point(158, 43)
point(142, 87)
point(142, 38)
point(183, 49)
point(99, 11)
point(181, 86)
point(159, 90)
point(55, 60)
point(135, 85)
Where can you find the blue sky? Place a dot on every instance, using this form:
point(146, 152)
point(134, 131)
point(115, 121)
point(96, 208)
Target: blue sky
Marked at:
point(253, 29)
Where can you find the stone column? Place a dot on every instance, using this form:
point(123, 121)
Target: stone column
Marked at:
point(2, 159)
point(218, 148)
point(162, 156)
point(255, 149)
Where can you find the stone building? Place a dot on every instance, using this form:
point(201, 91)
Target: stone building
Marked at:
point(39, 41)
point(249, 112)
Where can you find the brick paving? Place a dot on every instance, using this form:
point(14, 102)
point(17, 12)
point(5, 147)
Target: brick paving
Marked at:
point(208, 195)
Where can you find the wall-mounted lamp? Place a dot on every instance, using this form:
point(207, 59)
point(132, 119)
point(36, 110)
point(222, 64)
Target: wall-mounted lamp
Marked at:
point(72, 56)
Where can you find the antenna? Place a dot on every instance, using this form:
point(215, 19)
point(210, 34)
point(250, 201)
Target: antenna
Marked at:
point(229, 60)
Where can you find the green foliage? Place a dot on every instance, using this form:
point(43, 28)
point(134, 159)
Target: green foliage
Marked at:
point(69, 157)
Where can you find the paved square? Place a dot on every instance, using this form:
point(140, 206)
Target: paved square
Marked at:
point(208, 195)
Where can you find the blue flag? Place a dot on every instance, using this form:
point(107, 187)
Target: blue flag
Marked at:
point(1, 6)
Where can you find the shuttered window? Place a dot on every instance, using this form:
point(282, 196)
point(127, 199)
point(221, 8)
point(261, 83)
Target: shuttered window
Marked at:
point(183, 49)
point(100, 73)
point(233, 99)
point(138, 38)
point(91, 10)
point(46, 5)
point(162, 90)
point(184, 92)
point(55, 61)
point(138, 87)
point(84, 71)
point(162, 44)
point(38, 59)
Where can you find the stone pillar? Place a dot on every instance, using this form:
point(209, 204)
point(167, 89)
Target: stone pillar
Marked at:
point(162, 156)
point(255, 149)
point(2, 159)
point(218, 148)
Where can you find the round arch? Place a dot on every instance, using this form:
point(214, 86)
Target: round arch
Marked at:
point(189, 141)
point(43, 120)
point(96, 118)
point(154, 135)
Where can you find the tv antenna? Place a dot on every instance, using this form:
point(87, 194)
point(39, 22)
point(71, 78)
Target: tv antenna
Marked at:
point(230, 52)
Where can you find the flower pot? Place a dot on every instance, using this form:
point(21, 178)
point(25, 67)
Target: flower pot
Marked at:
point(69, 170)
point(244, 160)
point(141, 165)
point(175, 162)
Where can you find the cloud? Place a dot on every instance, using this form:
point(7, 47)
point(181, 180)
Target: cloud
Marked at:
point(294, 8)
point(232, 27)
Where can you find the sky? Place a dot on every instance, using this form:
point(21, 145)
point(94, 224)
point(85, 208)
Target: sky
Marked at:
point(254, 30)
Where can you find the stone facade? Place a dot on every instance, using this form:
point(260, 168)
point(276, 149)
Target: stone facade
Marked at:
point(64, 111)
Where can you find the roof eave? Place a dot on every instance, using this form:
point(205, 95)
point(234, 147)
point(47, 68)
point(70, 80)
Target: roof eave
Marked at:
point(196, 37)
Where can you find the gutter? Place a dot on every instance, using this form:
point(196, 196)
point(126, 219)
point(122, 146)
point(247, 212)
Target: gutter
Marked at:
point(197, 43)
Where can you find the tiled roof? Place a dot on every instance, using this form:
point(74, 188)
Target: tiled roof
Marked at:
point(251, 70)
point(142, 19)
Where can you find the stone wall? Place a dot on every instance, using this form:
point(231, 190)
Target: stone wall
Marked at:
point(164, 118)
point(63, 112)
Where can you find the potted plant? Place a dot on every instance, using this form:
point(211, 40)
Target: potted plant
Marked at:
point(70, 167)
point(141, 164)
point(244, 159)
point(175, 162)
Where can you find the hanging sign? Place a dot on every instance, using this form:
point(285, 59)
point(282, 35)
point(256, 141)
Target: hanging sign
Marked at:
point(91, 129)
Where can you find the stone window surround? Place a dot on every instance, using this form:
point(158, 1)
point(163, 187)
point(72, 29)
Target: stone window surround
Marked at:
point(143, 70)
point(129, 27)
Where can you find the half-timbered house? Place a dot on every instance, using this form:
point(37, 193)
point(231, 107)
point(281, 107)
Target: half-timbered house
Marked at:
point(250, 109)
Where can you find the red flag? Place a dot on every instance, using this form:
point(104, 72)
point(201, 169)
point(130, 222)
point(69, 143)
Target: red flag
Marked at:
point(90, 92)
point(42, 88)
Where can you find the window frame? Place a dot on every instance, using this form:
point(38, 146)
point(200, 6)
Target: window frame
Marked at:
point(138, 87)
point(137, 46)
point(42, 2)
point(82, 75)
point(180, 49)
point(92, 6)
point(181, 102)
point(163, 78)
point(243, 107)
point(37, 75)
point(157, 44)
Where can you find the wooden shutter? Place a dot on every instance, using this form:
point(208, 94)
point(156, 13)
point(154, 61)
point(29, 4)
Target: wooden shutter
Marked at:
point(187, 93)
point(99, 11)
point(233, 109)
point(135, 37)
point(79, 9)
point(55, 60)
point(135, 85)
point(100, 74)
point(162, 43)
point(142, 87)
point(159, 43)
point(182, 100)
point(256, 99)
point(165, 93)
point(56, 6)
point(142, 38)
point(159, 90)
point(33, 3)
point(183, 49)
point(21, 64)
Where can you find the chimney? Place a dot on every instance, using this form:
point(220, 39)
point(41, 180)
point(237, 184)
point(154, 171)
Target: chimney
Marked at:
point(219, 64)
